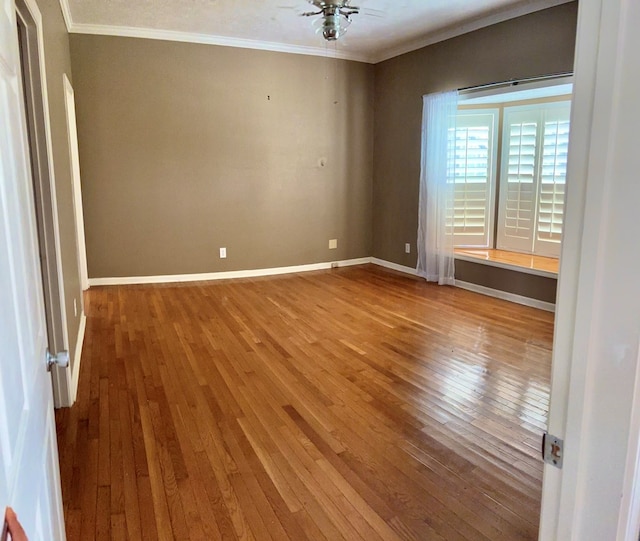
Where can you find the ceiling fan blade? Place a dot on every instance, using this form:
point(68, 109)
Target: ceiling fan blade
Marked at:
point(296, 9)
point(299, 11)
point(373, 12)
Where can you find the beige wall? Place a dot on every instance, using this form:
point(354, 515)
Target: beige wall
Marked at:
point(536, 287)
point(536, 44)
point(58, 62)
point(186, 148)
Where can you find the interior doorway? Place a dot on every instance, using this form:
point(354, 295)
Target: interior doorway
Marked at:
point(29, 470)
point(43, 191)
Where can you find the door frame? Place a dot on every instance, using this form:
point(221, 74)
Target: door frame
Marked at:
point(45, 194)
point(78, 217)
point(595, 372)
point(76, 185)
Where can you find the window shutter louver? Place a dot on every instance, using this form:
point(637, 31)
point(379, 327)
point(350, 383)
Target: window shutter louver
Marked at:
point(520, 194)
point(552, 180)
point(532, 191)
point(474, 173)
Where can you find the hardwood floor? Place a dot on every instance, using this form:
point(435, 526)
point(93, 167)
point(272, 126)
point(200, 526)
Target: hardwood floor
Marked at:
point(353, 404)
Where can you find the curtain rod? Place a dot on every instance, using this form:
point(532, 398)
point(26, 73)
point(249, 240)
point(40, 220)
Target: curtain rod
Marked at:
point(516, 82)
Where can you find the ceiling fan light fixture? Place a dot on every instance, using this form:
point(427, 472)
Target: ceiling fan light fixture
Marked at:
point(332, 24)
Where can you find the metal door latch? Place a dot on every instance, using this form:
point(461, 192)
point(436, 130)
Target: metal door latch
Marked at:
point(552, 450)
point(60, 359)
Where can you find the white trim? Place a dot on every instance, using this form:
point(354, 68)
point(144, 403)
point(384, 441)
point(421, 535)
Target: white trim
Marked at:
point(506, 296)
point(224, 275)
point(76, 186)
point(489, 118)
point(188, 37)
point(507, 266)
point(54, 464)
point(66, 14)
point(629, 519)
point(60, 377)
point(394, 266)
point(503, 93)
point(523, 8)
point(77, 357)
point(538, 114)
point(574, 498)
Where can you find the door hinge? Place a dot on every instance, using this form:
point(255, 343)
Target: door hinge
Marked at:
point(552, 450)
point(60, 359)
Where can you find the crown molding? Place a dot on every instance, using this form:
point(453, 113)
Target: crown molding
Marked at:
point(524, 8)
point(66, 14)
point(189, 37)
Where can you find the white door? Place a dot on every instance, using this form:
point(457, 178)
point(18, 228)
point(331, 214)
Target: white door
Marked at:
point(29, 472)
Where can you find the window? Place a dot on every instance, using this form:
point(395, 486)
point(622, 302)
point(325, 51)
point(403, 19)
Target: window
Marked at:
point(535, 139)
point(514, 193)
point(474, 174)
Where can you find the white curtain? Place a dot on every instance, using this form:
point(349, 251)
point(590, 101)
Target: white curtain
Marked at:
point(435, 216)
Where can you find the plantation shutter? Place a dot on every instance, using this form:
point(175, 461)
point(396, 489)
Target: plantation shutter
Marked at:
point(474, 177)
point(551, 194)
point(517, 190)
point(533, 173)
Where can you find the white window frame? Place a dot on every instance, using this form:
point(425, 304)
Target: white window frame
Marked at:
point(501, 95)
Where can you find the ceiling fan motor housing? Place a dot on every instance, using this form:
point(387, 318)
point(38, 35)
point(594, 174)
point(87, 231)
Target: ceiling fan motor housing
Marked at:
point(335, 17)
point(332, 28)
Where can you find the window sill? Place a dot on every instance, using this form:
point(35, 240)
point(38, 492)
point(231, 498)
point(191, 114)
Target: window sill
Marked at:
point(526, 263)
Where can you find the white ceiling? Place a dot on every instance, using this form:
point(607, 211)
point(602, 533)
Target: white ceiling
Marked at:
point(405, 25)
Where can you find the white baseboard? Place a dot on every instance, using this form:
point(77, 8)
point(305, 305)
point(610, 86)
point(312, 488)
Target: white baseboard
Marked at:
point(394, 266)
point(77, 357)
point(505, 295)
point(226, 275)
point(353, 262)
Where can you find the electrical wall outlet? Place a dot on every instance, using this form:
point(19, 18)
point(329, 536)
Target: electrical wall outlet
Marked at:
point(407, 248)
point(333, 244)
point(223, 253)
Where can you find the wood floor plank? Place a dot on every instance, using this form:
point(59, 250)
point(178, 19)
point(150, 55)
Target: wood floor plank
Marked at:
point(130, 493)
point(103, 514)
point(354, 404)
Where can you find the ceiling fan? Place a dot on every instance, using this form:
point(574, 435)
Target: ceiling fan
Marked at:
point(336, 17)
